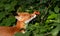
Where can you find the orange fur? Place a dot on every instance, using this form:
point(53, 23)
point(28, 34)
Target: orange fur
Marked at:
point(10, 31)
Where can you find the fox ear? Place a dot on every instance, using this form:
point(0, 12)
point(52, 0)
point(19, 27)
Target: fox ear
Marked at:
point(18, 13)
point(16, 17)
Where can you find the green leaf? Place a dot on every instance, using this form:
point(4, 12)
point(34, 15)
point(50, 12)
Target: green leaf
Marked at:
point(2, 15)
point(55, 31)
point(53, 15)
point(56, 9)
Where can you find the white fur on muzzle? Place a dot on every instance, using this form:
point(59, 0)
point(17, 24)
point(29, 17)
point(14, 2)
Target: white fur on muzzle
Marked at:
point(30, 19)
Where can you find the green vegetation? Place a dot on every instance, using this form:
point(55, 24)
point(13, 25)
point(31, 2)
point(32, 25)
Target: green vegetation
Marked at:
point(46, 24)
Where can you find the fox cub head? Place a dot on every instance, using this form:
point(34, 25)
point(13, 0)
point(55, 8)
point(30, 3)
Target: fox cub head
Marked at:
point(26, 17)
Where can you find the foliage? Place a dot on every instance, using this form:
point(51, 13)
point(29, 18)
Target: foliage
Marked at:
point(46, 24)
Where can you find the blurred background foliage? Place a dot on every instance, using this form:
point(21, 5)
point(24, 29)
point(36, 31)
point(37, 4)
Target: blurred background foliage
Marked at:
point(46, 24)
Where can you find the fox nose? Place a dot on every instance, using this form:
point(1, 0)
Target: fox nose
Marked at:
point(36, 12)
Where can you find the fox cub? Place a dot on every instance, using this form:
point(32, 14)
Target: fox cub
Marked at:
point(22, 20)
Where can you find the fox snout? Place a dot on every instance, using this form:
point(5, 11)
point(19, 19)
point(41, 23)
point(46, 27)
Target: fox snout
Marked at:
point(37, 12)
